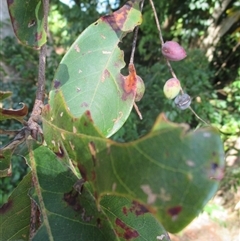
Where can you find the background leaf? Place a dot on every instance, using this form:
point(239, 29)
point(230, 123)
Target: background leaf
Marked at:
point(27, 22)
point(89, 75)
point(15, 214)
point(172, 172)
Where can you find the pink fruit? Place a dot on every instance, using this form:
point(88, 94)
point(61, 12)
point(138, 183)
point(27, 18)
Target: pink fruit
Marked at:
point(140, 89)
point(172, 88)
point(173, 51)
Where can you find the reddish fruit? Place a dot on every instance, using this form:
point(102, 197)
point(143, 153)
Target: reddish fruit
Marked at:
point(140, 89)
point(172, 88)
point(173, 51)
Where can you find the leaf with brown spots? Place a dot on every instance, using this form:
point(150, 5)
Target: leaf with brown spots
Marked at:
point(89, 76)
point(70, 210)
point(27, 22)
point(163, 172)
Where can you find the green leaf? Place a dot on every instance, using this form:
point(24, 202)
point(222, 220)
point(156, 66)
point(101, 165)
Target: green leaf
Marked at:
point(15, 214)
point(27, 21)
point(89, 75)
point(171, 171)
point(69, 211)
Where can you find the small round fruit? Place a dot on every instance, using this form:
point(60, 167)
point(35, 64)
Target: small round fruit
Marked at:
point(183, 101)
point(140, 89)
point(172, 88)
point(173, 51)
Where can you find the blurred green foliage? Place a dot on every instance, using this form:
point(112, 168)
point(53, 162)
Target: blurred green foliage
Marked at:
point(214, 86)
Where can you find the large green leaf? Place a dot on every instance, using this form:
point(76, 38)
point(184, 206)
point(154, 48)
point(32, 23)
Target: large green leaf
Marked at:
point(172, 172)
point(69, 212)
point(27, 22)
point(89, 75)
point(15, 214)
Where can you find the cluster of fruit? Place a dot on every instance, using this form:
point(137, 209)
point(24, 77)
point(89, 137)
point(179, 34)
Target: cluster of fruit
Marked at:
point(174, 52)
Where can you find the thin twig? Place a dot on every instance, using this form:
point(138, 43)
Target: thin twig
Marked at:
point(135, 38)
point(137, 110)
point(157, 22)
point(162, 41)
point(198, 116)
point(42, 57)
point(40, 95)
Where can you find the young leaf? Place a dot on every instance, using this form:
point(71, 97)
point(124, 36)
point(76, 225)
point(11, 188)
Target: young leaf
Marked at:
point(172, 172)
point(15, 214)
point(89, 75)
point(27, 22)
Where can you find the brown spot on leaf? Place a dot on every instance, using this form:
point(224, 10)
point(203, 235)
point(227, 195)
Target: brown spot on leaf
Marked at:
point(88, 114)
point(99, 223)
point(128, 233)
point(38, 36)
point(138, 208)
point(125, 211)
point(6, 207)
point(79, 185)
point(174, 211)
point(71, 198)
point(56, 84)
point(84, 104)
point(92, 148)
point(216, 172)
point(83, 171)
point(117, 19)
point(60, 152)
point(46, 108)
point(105, 75)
